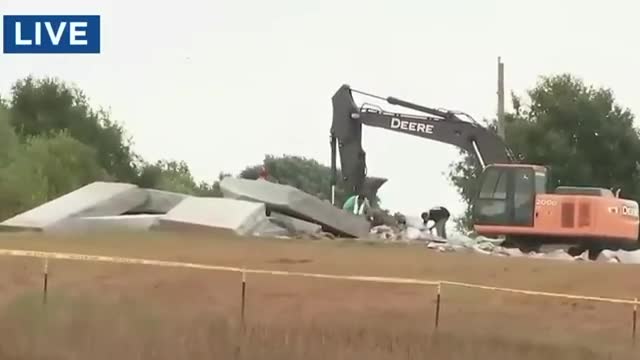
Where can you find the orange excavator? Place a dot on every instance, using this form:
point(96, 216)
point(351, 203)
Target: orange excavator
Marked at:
point(514, 200)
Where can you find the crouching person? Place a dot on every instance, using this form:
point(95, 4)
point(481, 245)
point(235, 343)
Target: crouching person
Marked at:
point(439, 215)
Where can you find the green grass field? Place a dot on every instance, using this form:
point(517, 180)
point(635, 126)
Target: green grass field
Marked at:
point(100, 310)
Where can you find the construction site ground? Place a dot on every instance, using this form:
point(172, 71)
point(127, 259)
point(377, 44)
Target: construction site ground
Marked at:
point(154, 312)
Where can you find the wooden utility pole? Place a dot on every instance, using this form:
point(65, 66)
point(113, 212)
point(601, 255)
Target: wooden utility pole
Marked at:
point(500, 98)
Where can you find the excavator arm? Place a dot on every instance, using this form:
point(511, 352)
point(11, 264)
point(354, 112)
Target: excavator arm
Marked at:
point(443, 126)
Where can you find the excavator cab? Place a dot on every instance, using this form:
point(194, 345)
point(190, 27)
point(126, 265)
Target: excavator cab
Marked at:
point(507, 195)
point(516, 201)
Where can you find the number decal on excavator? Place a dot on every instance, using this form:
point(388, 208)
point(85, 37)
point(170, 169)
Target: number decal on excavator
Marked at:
point(543, 202)
point(630, 211)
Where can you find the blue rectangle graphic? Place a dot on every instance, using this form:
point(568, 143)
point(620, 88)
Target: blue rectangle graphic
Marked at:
point(51, 34)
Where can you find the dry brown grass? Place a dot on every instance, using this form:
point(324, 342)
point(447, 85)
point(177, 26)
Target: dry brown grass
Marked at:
point(129, 311)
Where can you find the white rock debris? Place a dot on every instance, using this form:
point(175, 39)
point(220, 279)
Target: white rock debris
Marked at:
point(414, 233)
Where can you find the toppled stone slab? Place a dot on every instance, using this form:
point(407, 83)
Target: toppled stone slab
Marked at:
point(142, 222)
point(158, 202)
point(269, 228)
point(296, 203)
point(280, 225)
point(206, 214)
point(293, 225)
point(95, 199)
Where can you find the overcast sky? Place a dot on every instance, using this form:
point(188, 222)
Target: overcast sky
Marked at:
point(220, 83)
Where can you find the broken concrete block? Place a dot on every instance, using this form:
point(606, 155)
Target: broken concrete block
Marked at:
point(269, 228)
point(295, 226)
point(206, 214)
point(95, 199)
point(296, 203)
point(280, 225)
point(142, 222)
point(159, 202)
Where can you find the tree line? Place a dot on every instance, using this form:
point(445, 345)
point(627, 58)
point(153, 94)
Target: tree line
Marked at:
point(53, 142)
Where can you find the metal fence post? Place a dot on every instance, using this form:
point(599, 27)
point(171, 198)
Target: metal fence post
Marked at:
point(438, 305)
point(45, 281)
point(635, 321)
point(243, 299)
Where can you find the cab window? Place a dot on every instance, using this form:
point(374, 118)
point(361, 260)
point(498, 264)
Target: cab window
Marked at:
point(494, 185)
point(491, 205)
point(541, 183)
point(523, 197)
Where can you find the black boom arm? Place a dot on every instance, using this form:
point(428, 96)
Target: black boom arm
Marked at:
point(443, 126)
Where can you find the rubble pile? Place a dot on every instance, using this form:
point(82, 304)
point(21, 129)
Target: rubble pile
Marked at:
point(415, 234)
point(248, 208)
point(252, 208)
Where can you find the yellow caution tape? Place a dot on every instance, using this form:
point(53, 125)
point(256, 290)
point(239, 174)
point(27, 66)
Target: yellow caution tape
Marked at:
point(541, 293)
point(121, 260)
point(377, 279)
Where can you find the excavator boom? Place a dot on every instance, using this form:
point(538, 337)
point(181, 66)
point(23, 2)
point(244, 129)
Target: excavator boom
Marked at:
point(443, 126)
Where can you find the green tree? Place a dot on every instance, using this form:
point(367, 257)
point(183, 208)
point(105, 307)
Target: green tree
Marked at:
point(8, 139)
point(44, 168)
point(302, 173)
point(45, 106)
point(213, 189)
point(175, 176)
point(579, 131)
point(52, 142)
point(168, 175)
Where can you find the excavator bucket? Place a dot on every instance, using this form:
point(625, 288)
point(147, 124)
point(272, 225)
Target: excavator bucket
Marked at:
point(371, 187)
